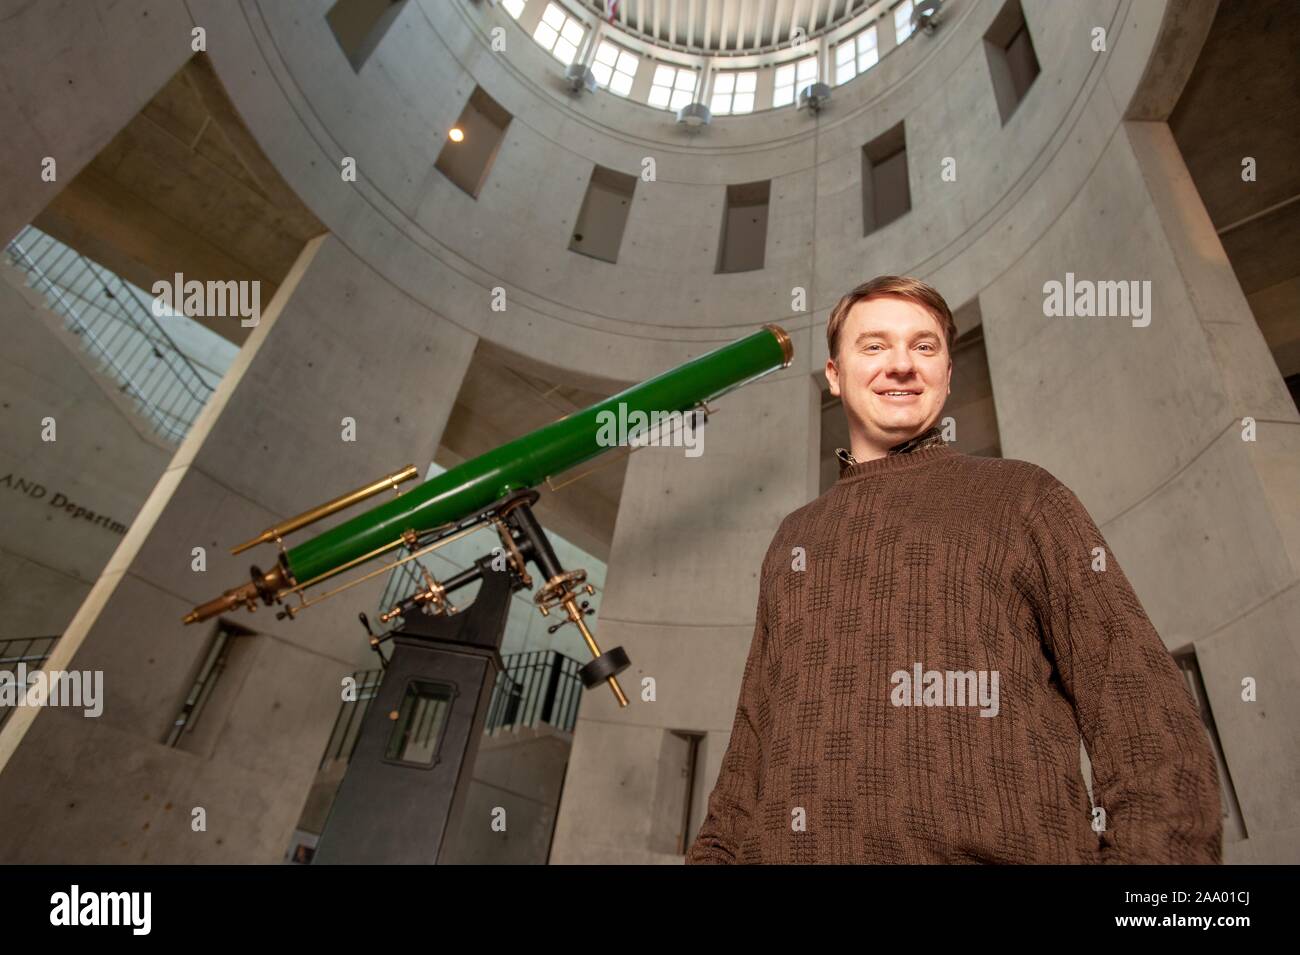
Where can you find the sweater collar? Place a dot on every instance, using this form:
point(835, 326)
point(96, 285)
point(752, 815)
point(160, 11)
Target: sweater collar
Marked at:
point(927, 445)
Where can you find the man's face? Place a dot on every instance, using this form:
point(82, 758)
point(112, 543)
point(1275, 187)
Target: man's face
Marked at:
point(890, 345)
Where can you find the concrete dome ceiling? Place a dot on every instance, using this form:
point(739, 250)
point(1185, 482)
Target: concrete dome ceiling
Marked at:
point(728, 26)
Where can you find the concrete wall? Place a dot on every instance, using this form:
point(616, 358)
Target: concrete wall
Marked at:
point(520, 771)
point(105, 460)
point(1141, 422)
point(680, 593)
point(270, 441)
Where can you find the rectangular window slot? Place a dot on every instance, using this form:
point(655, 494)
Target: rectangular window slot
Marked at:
point(744, 227)
point(603, 217)
point(360, 25)
point(1234, 826)
point(482, 124)
point(886, 194)
point(1013, 65)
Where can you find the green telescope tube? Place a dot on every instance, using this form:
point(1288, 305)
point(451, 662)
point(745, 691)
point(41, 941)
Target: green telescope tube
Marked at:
point(530, 460)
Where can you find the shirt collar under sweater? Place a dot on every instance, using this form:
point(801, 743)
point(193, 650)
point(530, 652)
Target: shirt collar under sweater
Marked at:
point(926, 440)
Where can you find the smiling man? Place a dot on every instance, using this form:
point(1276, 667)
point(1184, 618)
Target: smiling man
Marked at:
point(967, 573)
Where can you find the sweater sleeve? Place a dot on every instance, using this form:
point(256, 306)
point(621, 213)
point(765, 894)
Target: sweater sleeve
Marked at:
point(733, 803)
point(1153, 770)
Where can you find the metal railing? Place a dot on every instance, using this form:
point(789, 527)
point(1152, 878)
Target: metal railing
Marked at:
point(347, 725)
point(119, 330)
point(33, 651)
point(541, 686)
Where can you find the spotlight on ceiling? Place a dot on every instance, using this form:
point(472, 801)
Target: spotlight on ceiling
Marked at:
point(456, 134)
point(579, 77)
point(815, 97)
point(694, 115)
point(926, 16)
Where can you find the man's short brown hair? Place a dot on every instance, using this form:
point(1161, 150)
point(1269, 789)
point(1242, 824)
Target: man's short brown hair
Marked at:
point(892, 286)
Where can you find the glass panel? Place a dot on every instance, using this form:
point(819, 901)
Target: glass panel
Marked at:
point(572, 32)
point(565, 52)
point(746, 82)
point(663, 76)
point(658, 97)
point(721, 103)
point(514, 7)
point(627, 63)
point(621, 84)
point(417, 731)
point(601, 72)
point(545, 36)
point(554, 16)
point(903, 21)
point(744, 103)
point(724, 83)
point(607, 53)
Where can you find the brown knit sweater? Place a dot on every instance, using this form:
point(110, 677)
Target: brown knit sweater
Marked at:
point(934, 560)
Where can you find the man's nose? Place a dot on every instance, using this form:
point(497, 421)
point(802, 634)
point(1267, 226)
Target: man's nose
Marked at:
point(900, 361)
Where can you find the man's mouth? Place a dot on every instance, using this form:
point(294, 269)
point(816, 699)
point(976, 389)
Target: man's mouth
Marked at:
point(898, 394)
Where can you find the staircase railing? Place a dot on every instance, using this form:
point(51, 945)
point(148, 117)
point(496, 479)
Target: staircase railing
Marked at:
point(33, 651)
point(541, 686)
point(118, 328)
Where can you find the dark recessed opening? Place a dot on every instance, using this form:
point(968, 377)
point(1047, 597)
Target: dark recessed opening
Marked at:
point(886, 194)
point(743, 244)
point(1013, 64)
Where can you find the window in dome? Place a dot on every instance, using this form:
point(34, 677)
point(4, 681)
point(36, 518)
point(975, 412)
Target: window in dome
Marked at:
point(483, 124)
point(603, 217)
point(1013, 65)
point(672, 87)
point(855, 55)
point(744, 227)
point(902, 21)
point(793, 77)
point(359, 26)
point(514, 7)
point(614, 68)
point(559, 34)
point(733, 92)
point(886, 194)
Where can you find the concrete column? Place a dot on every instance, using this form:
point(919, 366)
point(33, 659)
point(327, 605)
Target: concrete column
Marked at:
point(680, 597)
point(1204, 521)
point(336, 342)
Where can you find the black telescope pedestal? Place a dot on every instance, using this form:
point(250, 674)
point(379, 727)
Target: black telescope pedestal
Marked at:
point(407, 782)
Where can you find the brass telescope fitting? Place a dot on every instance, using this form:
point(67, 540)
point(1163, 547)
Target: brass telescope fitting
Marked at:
point(322, 511)
point(783, 339)
point(265, 586)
